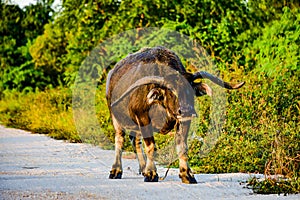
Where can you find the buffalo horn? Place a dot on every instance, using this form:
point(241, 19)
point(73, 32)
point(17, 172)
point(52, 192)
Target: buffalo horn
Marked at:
point(218, 81)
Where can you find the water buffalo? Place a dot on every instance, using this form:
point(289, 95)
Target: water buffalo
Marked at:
point(158, 96)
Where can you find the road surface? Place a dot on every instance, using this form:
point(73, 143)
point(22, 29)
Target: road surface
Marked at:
point(34, 166)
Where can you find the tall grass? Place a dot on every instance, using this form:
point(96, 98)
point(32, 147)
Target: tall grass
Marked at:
point(47, 112)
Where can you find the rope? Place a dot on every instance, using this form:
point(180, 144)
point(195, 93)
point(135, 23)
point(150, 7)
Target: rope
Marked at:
point(166, 174)
point(169, 165)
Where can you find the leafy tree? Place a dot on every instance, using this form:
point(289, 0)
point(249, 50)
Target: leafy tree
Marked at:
point(269, 10)
point(47, 53)
point(11, 34)
point(18, 28)
point(69, 39)
point(24, 77)
point(277, 50)
point(35, 17)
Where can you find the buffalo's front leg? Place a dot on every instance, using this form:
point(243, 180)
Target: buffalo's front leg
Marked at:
point(116, 171)
point(185, 173)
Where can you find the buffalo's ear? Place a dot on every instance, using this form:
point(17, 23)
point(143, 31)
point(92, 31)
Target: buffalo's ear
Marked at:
point(188, 76)
point(156, 94)
point(202, 89)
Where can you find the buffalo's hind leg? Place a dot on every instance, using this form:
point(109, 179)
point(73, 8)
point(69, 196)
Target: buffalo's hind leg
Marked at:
point(116, 171)
point(136, 141)
point(150, 172)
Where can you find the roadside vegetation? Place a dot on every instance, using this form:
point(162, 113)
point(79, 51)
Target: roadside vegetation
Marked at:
point(41, 50)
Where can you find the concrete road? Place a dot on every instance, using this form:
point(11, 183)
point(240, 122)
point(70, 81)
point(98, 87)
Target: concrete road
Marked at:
point(34, 166)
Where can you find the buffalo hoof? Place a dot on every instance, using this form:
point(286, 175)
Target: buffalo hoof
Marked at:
point(189, 179)
point(115, 174)
point(151, 177)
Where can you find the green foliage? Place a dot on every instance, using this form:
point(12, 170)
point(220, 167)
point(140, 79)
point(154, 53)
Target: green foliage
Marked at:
point(35, 17)
point(274, 186)
point(277, 50)
point(46, 53)
point(10, 36)
point(18, 28)
point(11, 22)
point(267, 10)
point(24, 77)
